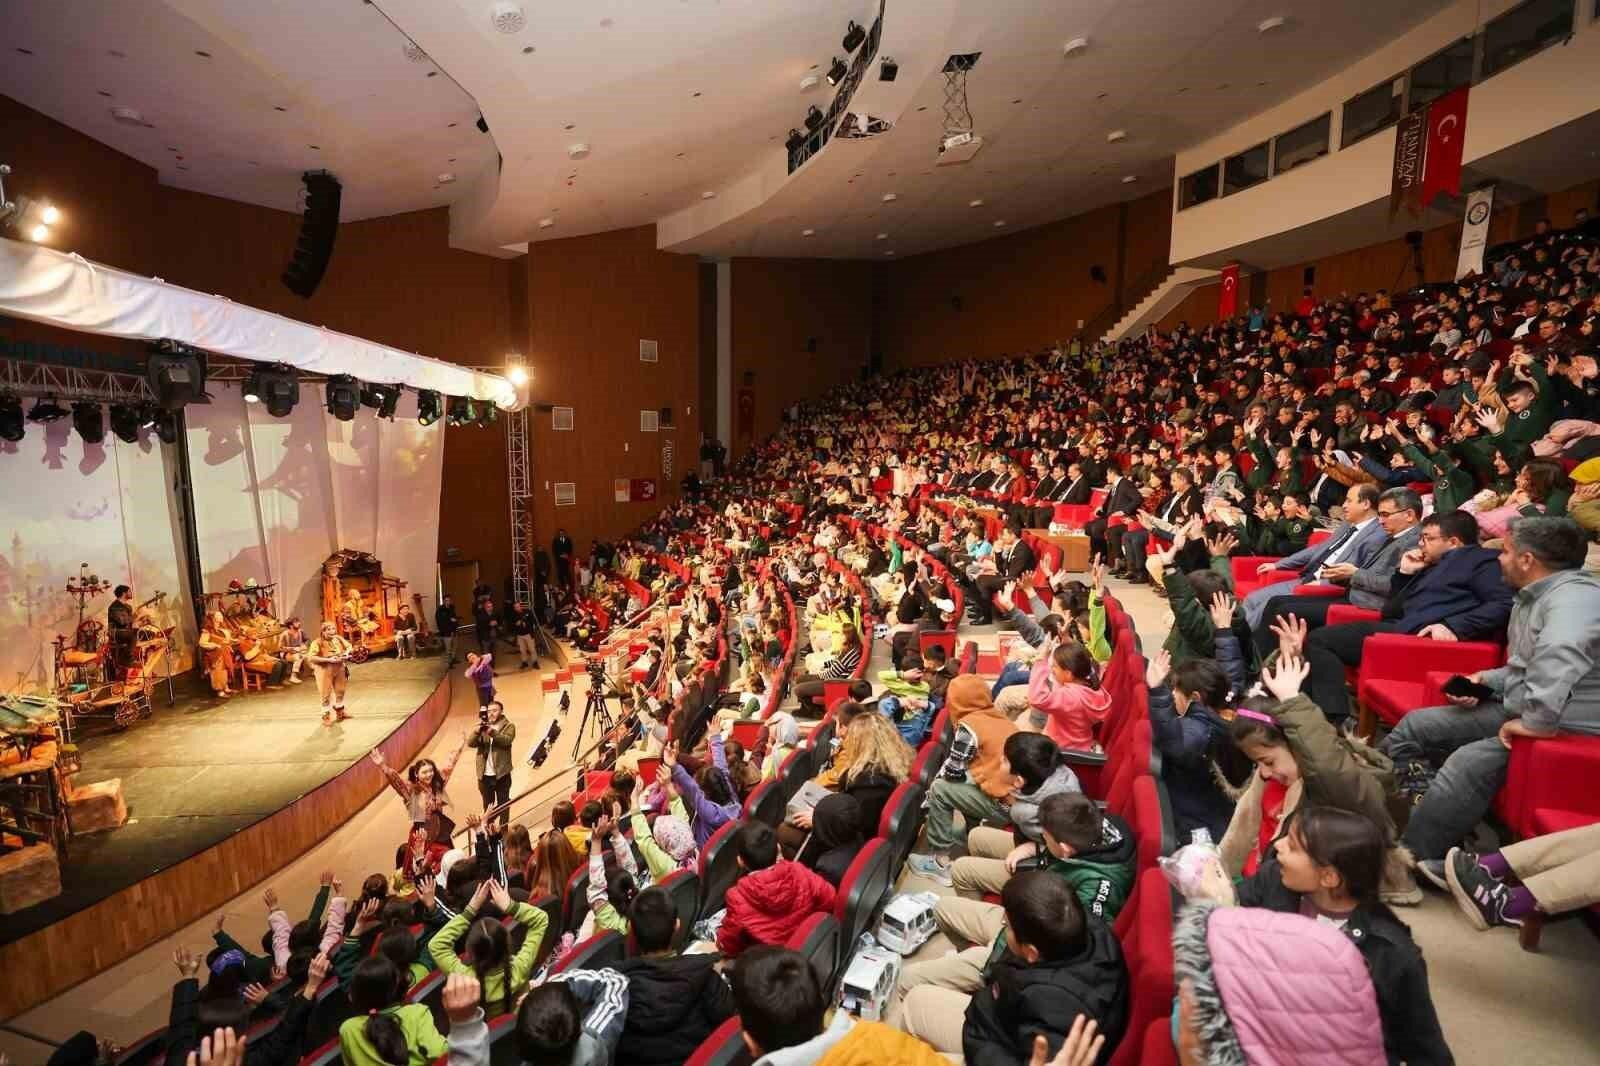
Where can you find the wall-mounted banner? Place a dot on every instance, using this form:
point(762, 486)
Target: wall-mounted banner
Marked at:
point(1475, 232)
point(620, 489)
point(642, 489)
point(1447, 136)
point(1228, 298)
point(1410, 139)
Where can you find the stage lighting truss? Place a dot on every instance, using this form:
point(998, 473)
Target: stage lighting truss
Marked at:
point(853, 36)
point(344, 396)
point(277, 387)
point(126, 422)
point(383, 398)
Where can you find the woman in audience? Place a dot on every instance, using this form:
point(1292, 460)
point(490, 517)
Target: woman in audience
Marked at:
point(873, 759)
point(552, 865)
point(709, 795)
point(1539, 484)
point(421, 789)
point(386, 1030)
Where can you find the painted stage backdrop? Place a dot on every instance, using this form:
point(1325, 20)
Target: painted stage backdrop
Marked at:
point(64, 503)
point(274, 497)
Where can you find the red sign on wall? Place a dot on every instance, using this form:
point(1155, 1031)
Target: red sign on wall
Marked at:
point(642, 489)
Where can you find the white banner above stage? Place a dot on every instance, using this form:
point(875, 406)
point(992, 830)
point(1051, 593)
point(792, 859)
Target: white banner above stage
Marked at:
point(69, 291)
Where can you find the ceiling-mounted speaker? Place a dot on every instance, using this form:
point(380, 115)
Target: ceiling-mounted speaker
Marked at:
point(318, 228)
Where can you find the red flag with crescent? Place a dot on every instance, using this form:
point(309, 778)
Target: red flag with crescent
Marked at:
point(642, 489)
point(1447, 134)
point(1228, 299)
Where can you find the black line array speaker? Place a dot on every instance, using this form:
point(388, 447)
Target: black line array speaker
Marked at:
point(318, 228)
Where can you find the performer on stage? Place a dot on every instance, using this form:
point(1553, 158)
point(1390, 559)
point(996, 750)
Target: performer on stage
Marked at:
point(216, 642)
point(360, 621)
point(292, 646)
point(328, 656)
point(421, 788)
point(121, 630)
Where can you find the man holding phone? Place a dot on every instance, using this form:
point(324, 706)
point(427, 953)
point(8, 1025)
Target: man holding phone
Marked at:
point(1550, 684)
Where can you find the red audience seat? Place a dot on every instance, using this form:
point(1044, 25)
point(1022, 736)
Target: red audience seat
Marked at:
point(794, 771)
point(818, 940)
point(1245, 578)
point(836, 692)
point(746, 733)
point(724, 1047)
point(862, 890)
point(684, 887)
point(604, 949)
point(1391, 679)
point(944, 638)
point(1340, 613)
point(719, 868)
point(766, 803)
point(1551, 780)
point(1151, 820)
point(901, 821)
point(1147, 946)
point(575, 900)
point(929, 758)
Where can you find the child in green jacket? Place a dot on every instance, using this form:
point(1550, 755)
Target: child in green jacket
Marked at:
point(502, 974)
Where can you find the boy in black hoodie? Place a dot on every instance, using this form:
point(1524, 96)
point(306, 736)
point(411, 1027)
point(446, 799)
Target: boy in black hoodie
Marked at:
point(1055, 965)
point(674, 1001)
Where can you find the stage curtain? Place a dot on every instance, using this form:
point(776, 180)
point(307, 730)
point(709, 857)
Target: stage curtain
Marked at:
point(67, 502)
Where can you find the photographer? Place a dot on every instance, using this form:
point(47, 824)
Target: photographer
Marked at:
point(492, 740)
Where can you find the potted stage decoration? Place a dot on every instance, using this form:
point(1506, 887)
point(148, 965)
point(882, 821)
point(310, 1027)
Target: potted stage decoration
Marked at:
point(359, 598)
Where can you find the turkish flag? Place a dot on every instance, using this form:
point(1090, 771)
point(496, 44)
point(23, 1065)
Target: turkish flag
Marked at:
point(1228, 299)
point(1447, 134)
point(642, 489)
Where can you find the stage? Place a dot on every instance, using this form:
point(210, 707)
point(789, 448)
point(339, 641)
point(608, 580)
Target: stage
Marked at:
point(198, 772)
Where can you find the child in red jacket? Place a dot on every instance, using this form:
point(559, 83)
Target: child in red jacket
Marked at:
point(771, 897)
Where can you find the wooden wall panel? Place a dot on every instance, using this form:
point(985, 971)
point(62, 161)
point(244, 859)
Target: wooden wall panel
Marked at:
point(1199, 307)
point(1016, 293)
point(591, 300)
point(83, 944)
point(779, 307)
point(1147, 240)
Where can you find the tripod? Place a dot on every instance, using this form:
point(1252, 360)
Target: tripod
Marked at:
point(594, 708)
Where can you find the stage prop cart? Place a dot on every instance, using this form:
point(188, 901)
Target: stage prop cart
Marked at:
point(359, 598)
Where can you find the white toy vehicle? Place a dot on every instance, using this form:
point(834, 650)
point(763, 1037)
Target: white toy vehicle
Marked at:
point(868, 984)
point(908, 922)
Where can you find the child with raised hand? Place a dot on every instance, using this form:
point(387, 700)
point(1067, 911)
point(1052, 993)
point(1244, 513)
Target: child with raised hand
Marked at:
point(386, 1030)
point(709, 795)
point(1064, 699)
point(668, 844)
point(611, 897)
point(1189, 719)
point(501, 973)
point(1328, 865)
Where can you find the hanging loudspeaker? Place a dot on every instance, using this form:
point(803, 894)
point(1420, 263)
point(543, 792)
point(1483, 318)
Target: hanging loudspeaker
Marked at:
point(318, 228)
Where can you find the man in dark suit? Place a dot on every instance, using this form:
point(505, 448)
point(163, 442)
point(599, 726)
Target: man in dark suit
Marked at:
point(1355, 540)
point(1122, 498)
point(986, 479)
point(1446, 588)
point(1367, 584)
point(1012, 559)
point(1075, 488)
point(1181, 505)
point(1037, 511)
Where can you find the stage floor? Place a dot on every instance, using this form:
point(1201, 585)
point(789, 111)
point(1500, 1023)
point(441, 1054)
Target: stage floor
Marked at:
point(197, 772)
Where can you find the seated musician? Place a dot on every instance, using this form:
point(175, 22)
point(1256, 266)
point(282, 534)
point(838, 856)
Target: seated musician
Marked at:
point(360, 621)
point(216, 646)
point(120, 629)
point(251, 651)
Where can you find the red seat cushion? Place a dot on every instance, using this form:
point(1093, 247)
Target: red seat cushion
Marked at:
point(1556, 820)
point(1393, 700)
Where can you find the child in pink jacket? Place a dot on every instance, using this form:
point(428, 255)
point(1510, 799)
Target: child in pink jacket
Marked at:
point(1063, 698)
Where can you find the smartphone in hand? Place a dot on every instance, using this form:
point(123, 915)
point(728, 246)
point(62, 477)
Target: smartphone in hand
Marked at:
point(1461, 686)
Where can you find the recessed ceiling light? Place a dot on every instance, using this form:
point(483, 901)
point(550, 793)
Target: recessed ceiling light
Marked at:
point(113, 53)
point(808, 233)
point(127, 116)
point(452, 159)
point(810, 81)
point(1116, 135)
point(578, 151)
point(999, 222)
point(1225, 85)
point(890, 197)
point(708, 195)
point(315, 147)
point(975, 203)
point(1074, 46)
point(1129, 179)
point(275, 107)
point(1018, 100)
point(102, 92)
point(889, 252)
point(682, 154)
point(696, 93)
point(446, 178)
point(202, 55)
point(883, 236)
point(924, 107)
point(26, 51)
point(527, 49)
point(433, 73)
point(570, 126)
point(546, 223)
point(171, 148)
point(182, 167)
point(1267, 25)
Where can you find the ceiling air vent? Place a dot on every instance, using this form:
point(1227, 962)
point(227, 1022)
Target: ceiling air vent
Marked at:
point(566, 494)
point(648, 353)
point(561, 418)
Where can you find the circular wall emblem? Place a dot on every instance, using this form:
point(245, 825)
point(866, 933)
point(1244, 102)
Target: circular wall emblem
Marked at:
point(1479, 212)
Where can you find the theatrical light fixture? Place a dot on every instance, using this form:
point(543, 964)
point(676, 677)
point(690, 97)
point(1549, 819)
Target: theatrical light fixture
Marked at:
point(461, 411)
point(427, 407)
point(125, 423)
point(12, 426)
point(836, 72)
point(888, 69)
point(796, 139)
point(277, 386)
point(383, 397)
point(853, 36)
point(177, 375)
point(166, 424)
point(518, 375)
point(46, 410)
point(344, 396)
point(813, 118)
point(26, 215)
point(487, 413)
point(89, 420)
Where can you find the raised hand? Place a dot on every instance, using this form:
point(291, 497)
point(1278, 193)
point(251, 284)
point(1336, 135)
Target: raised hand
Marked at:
point(500, 896)
point(1223, 545)
point(1222, 605)
point(254, 994)
point(326, 878)
point(317, 972)
point(187, 962)
point(221, 1048)
point(1097, 573)
point(270, 898)
point(1291, 631)
point(377, 757)
point(427, 893)
point(1286, 676)
point(461, 994)
point(1157, 668)
point(481, 896)
point(1081, 1047)
point(367, 917)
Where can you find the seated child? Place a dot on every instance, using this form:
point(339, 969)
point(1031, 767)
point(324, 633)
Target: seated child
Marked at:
point(1033, 762)
point(771, 897)
point(575, 1017)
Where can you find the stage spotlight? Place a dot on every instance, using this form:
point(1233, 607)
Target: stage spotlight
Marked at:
point(836, 72)
point(344, 396)
point(12, 424)
point(853, 36)
point(427, 407)
point(487, 413)
point(461, 411)
point(252, 387)
point(813, 118)
point(518, 375)
point(89, 420)
point(46, 410)
point(277, 386)
point(383, 397)
point(796, 139)
point(125, 423)
point(177, 375)
point(166, 424)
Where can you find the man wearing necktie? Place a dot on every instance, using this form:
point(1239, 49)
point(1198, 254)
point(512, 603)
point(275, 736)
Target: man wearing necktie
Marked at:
point(1356, 540)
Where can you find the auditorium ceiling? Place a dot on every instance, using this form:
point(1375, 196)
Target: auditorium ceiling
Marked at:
point(623, 113)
